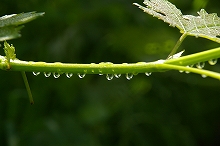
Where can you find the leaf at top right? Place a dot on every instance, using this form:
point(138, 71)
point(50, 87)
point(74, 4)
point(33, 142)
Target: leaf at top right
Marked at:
point(204, 25)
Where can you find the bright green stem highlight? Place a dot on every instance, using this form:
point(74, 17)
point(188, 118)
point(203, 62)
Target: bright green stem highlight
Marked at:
point(27, 87)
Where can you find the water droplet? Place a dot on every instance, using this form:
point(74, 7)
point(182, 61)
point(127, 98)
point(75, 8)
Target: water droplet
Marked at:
point(181, 71)
point(56, 75)
point(191, 65)
point(69, 75)
point(148, 73)
point(47, 74)
point(213, 61)
point(129, 76)
point(100, 72)
point(117, 75)
point(204, 76)
point(200, 65)
point(187, 71)
point(36, 73)
point(81, 75)
point(109, 76)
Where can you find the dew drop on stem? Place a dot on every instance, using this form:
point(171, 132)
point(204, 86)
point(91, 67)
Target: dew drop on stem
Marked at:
point(56, 75)
point(213, 61)
point(148, 73)
point(187, 71)
point(81, 75)
point(191, 65)
point(129, 76)
point(117, 75)
point(47, 74)
point(204, 76)
point(100, 72)
point(69, 75)
point(200, 65)
point(36, 73)
point(109, 76)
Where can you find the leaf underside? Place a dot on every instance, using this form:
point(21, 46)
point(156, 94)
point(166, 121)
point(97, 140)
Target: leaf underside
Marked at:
point(204, 25)
point(9, 24)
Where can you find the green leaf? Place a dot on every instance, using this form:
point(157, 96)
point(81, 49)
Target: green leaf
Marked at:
point(9, 51)
point(18, 19)
point(9, 32)
point(204, 25)
point(9, 24)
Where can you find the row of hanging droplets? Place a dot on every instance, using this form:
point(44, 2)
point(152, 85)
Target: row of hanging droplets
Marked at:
point(109, 77)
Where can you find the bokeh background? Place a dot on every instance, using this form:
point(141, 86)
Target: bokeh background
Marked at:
point(169, 108)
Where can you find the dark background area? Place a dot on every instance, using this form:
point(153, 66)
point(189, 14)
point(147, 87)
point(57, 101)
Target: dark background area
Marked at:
point(169, 108)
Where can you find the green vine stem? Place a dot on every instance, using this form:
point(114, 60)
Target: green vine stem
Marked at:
point(180, 63)
point(178, 43)
point(27, 87)
point(204, 73)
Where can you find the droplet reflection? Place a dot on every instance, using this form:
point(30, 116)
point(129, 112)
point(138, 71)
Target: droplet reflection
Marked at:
point(36, 73)
point(69, 75)
point(56, 75)
point(200, 65)
point(129, 76)
point(47, 74)
point(213, 61)
point(117, 75)
point(148, 73)
point(81, 75)
point(109, 76)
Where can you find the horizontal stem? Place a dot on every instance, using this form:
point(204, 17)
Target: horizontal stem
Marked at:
point(110, 68)
point(101, 68)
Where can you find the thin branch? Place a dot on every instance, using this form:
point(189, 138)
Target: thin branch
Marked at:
point(177, 45)
point(27, 87)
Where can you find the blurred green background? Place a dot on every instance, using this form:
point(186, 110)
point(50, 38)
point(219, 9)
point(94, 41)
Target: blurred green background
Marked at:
point(168, 108)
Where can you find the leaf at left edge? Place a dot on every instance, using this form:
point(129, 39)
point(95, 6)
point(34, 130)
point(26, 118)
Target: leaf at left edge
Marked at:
point(9, 24)
point(18, 19)
point(10, 32)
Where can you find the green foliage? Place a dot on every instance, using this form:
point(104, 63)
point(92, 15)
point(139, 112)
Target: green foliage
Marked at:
point(205, 25)
point(9, 24)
